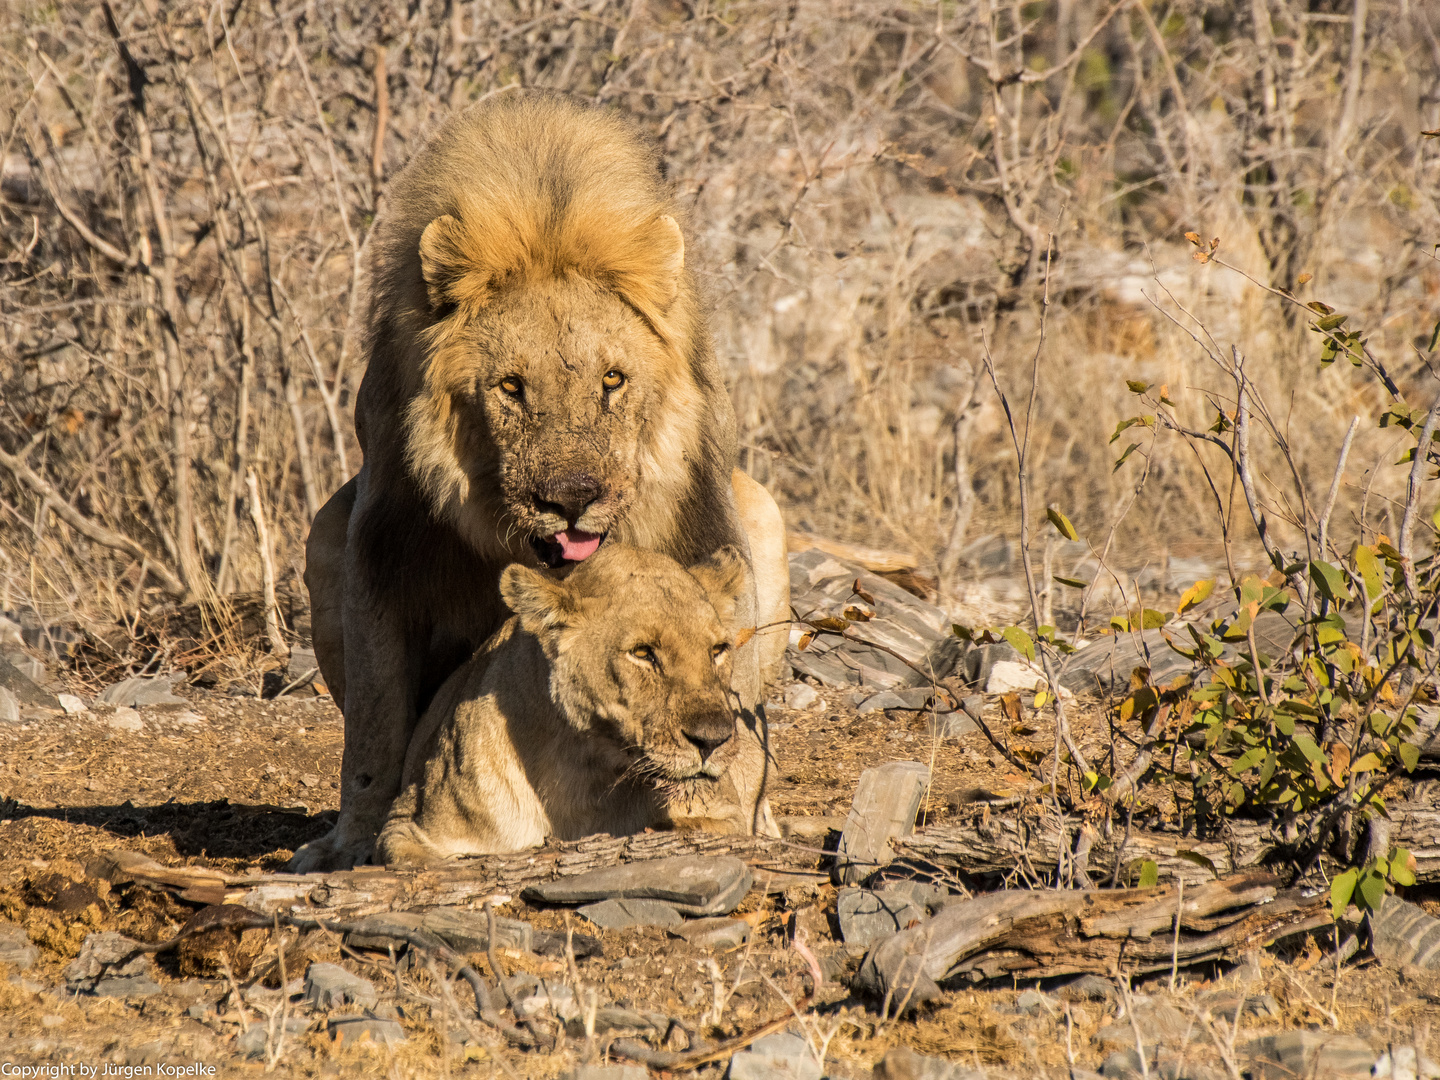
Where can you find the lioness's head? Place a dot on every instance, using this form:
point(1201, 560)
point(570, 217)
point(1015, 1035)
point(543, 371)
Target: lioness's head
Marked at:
point(556, 319)
point(640, 648)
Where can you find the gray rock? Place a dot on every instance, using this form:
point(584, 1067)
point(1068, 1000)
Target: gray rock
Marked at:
point(15, 947)
point(23, 688)
point(884, 807)
point(1034, 1003)
point(1402, 933)
point(923, 894)
point(137, 692)
point(801, 696)
point(196, 989)
point(695, 884)
point(981, 660)
point(909, 699)
point(1401, 1063)
point(951, 725)
point(1222, 1004)
point(28, 666)
point(902, 1063)
point(1309, 1053)
point(464, 931)
point(348, 1030)
point(108, 954)
point(717, 933)
point(607, 1072)
point(1088, 988)
point(9, 707)
point(1106, 663)
point(303, 667)
point(127, 986)
point(610, 1018)
point(549, 997)
point(865, 915)
point(781, 1056)
point(329, 986)
point(252, 1041)
point(618, 914)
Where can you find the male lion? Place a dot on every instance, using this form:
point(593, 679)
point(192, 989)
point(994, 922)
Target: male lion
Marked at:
point(603, 705)
point(539, 379)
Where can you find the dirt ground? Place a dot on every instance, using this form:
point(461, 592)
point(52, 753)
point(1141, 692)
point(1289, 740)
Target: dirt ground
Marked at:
point(238, 783)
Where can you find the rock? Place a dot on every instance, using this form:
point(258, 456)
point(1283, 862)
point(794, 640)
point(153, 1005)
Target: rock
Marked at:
point(1088, 988)
point(1106, 663)
point(801, 696)
point(865, 915)
point(1309, 1053)
point(607, 1072)
point(951, 725)
point(902, 1063)
point(15, 947)
point(1222, 1005)
point(1034, 1003)
point(695, 884)
point(549, 997)
point(72, 704)
point(1402, 933)
point(618, 914)
point(464, 931)
point(23, 688)
point(139, 692)
point(1400, 1063)
point(196, 989)
point(126, 986)
point(348, 1030)
point(884, 806)
point(781, 1056)
point(717, 933)
point(124, 720)
point(981, 660)
point(911, 699)
point(108, 954)
point(9, 707)
point(610, 1018)
point(252, 1042)
point(923, 894)
point(329, 986)
point(28, 666)
point(303, 667)
point(1008, 676)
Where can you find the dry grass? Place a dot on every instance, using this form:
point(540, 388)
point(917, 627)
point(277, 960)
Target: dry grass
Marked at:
point(874, 187)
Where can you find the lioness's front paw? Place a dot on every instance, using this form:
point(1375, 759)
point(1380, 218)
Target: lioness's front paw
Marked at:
point(336, 850)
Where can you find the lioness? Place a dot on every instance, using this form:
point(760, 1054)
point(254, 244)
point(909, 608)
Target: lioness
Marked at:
point(539, 380)
point(604, 697)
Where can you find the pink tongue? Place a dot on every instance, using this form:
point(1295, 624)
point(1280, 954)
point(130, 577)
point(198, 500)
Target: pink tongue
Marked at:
point(576, 545)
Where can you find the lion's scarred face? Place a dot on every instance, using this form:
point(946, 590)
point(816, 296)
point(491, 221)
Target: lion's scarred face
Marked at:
point(552, 398)
point(640, 649)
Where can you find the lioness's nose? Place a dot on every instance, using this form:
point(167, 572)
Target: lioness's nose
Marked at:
point(568, 494)
point(708, 734)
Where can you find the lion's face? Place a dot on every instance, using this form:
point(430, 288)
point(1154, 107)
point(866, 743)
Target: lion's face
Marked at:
point(641, 649)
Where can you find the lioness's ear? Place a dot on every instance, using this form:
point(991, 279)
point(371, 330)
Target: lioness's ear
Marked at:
point(452, 271)
point(722, 576)
point(541, 603)
point(670, 247)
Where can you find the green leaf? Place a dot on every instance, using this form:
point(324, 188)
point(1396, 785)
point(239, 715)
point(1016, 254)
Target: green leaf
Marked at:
point(1330, 580)
point(1400, 872)
point(1019, 641)
point(1123, 425)
point(1141, 387)
point(1072, 582)
point(1061, 522)
point(1367, 763)
point(1196, 594)
point(1369, 567)
point(1332, 322)
point(1125, 456)
point(1306, 746)
point(1150, 619)
point(1434, 338)
point(1372, 890)
point(1149, 874)
point(1409, 756)
point(1342, 888)
point(1247, 760)
point(1199, 860)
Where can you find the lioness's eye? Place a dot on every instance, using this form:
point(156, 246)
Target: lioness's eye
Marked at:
point(717, 652)
point(512, 386)
point(643, 652)
point(612, 380)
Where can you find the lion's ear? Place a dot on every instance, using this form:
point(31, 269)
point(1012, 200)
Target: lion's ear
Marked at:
point(723, 575)
point(670, 250)
point(541, 602)
point(452, 270)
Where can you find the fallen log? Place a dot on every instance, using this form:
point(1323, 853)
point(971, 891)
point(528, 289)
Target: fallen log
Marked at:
point(1050, 932)
point(876, 560)
point(996, 843)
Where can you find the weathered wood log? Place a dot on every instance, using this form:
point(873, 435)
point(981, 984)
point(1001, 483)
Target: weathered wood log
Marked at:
point(371, 889)
point(1001, 843)
point(873, 559)
point(1050, 932)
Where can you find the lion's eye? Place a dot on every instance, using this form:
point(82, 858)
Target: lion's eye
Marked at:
point(719, 651)
point(612, 380)
point(644, 653)
point(512, 385)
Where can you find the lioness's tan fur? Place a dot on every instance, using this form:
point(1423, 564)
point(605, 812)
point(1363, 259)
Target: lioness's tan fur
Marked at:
point(537, 364)
point(557, 728)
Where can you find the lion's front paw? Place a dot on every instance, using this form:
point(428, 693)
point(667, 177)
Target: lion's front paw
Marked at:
point(339, 849)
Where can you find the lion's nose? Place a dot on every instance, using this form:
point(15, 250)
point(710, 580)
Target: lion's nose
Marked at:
point(708, 734)
point(568, 495)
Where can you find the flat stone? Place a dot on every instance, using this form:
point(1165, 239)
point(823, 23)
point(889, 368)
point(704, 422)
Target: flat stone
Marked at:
point(9, 707)
point(1309, 1053)
point(910, 699)
point(348, 1030)
point(781, 1056)
point(329, 986)
point(902, 1063)
point(610, 1018)
point(884, 807)
point(1400, 1063)
point(1034, 1003)
point(28, 666)
point(469, 931)
point(923, 894)
point(303, 667)
point(694, 884)
point(72, 704)
point(23, 688)
point(618, 914)
point(1007, 676)
point(252, 1042)
point(866, 916)
point(1403, 934)
point(607, 1072)
point(1222, 1004)
point(717, 933)
point(15, 947)
point(126, 987)
point(951, 725)
point(196, 989)
point(549, 997)
point(801, 696)
point(138, 691)
point(124, 719)
point(1088, 988)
